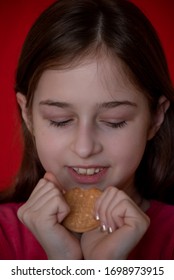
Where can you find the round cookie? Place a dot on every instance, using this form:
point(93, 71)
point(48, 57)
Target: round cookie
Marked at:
point(81, 216)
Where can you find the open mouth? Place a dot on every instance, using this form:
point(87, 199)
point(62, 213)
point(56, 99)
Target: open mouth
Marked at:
point(88, 175)
point(87, 171)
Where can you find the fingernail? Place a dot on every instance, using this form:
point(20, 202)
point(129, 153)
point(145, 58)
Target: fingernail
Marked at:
point(97, 217)
point(110, 230)
point(103, 228)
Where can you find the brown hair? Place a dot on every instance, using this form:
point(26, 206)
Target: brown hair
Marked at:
point(68, 31)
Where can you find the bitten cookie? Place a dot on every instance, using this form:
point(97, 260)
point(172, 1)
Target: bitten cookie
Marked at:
point(81, 203)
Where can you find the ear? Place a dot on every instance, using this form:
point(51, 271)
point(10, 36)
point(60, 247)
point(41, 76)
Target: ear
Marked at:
point(21, 99)
point(159, 115)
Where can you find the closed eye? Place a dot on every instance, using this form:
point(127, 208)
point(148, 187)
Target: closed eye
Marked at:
point(60, 123)
point(115, 124)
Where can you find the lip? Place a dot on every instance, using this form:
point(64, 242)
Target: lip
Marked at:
point(88, 179)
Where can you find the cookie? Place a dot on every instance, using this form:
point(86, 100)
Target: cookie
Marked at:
point(81, 202)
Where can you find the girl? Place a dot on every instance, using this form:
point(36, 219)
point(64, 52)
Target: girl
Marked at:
point(96, 102)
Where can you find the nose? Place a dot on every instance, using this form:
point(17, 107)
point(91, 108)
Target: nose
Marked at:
point(86, 143)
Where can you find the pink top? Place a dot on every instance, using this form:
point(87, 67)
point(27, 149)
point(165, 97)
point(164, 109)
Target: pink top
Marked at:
point(17, 242)
point(158, 242)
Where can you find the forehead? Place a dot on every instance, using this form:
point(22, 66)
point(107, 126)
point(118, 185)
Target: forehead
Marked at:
point(102, 75)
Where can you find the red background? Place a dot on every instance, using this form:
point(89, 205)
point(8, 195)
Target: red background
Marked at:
point(16, 18)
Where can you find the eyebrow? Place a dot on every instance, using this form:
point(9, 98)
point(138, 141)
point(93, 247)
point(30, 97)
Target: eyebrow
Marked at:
point(55, 103)
point(113, 104)
point(104, 105)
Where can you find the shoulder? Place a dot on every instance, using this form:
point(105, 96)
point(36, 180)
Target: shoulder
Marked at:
point(161, 229)
point(8, 214)
point(16, 241)
point(9, 209)
point(161, 211)
point(9, 229)
point(158, 241)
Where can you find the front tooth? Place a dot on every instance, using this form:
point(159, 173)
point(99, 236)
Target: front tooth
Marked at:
point(87, 171)
point(82, 171)
point(90, 171)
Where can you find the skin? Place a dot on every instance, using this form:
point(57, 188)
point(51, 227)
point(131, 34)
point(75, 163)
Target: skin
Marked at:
point(89, 116)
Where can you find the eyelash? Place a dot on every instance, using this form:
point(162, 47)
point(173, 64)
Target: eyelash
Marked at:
point(60, 124)
point(116, 125)
point(66, 122)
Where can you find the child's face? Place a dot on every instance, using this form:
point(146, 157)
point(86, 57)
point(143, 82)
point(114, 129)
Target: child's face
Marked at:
point(90, 125)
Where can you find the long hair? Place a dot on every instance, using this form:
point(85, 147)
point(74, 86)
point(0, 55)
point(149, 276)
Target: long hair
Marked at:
point(66, 33)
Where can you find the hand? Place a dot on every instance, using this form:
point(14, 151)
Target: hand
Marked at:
point(43, 213)
point(123, 224)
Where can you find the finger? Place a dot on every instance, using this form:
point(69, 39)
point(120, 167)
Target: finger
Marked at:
point(117, 196)
point(50, 177)
point(38, 187)
point(42, 188)
point(108, 191)
point(52, 205)
point(99, 201)
point(40, 198)
point(48, 205)
point(102, 205)
point(126, 213)
point(106, 207)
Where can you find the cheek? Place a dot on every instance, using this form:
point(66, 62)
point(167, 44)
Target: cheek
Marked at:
point(49, 149)
point(127, 149)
